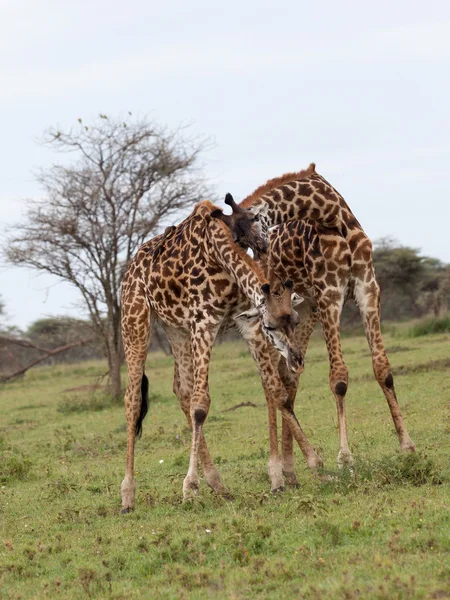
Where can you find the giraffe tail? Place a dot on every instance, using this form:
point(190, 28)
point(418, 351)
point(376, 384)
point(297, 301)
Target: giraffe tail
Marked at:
point(144, 405)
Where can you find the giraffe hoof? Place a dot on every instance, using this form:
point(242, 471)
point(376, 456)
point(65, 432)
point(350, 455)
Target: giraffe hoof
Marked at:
point(326, 478)
point(294, 484)
point(125, 511)
point(315, 462)
point(190, 490)
point(278, 490)
point(226, 495)
point(408, 447)
point(345, 460)
point(291, 479)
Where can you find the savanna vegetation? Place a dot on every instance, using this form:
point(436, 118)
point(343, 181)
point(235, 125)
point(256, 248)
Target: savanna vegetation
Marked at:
point(381, 532)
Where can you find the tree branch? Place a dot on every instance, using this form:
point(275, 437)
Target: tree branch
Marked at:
point(48, 352)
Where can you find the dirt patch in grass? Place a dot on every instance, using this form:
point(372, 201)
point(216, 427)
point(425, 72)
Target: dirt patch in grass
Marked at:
point(87, 388)
point(442, 364)
point(391, 350)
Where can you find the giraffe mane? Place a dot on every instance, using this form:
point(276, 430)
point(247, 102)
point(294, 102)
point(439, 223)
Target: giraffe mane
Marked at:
point(254, 266)
point(276, 182)
point(204, 205)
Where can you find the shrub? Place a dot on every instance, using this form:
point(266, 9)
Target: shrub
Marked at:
point(429, 326)
point(14, 466)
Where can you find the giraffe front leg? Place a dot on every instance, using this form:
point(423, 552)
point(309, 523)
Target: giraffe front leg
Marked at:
point(308, 319)
point(275, 466)
point(210, 472)
point(330, 308)
point(290, 382)
point(263, 356)
point(266, 359)
point(183, 385)
point(202, 340)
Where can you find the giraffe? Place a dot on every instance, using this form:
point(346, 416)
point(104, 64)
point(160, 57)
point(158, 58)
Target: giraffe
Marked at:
point(322, 248)
point(197, 280)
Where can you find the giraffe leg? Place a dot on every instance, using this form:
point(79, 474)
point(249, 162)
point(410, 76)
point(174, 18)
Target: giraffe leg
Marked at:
point(251, 334)
point(308, 319)
point(330, 309)
point(202, 340)
point(182, 387)
point(266, 359)
point(275, 466)
point(135, 338)
point(367, 296)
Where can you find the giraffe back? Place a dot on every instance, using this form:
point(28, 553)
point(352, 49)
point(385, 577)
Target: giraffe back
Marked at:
point(317, 259)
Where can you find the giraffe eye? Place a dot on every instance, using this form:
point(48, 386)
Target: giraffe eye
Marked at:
point(256, 218)
point(270, 328)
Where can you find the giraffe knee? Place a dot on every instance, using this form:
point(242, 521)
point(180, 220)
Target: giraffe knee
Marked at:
point(384, 375)
point(287, 404)
point(340, 388)
point(389, 381)
point(199, 416)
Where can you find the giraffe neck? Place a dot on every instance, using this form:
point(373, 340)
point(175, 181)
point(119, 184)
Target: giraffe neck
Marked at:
point(236, 262)
point(306, 195)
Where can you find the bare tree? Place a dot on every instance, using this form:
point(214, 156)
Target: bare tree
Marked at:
point(126, 181)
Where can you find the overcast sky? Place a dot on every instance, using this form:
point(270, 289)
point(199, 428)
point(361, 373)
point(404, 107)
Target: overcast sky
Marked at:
point(362, 89)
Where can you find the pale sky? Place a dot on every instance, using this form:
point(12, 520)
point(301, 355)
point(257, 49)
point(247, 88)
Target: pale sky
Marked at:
point(361, 88)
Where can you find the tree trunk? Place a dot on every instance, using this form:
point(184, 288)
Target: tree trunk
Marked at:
point(114, 363)
point(114, 350)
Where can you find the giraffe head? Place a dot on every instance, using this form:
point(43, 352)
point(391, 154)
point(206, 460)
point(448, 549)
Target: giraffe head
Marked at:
point(278, 320)
point(246, 226)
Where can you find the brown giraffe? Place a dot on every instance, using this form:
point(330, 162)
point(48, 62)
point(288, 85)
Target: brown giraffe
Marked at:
point(329, 258)
point(195, 279)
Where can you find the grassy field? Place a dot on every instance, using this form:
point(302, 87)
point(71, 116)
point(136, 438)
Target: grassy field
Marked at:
point(383, 533)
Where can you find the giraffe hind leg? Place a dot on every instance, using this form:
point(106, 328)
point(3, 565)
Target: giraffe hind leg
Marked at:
point(135, 339)
point(367, 297)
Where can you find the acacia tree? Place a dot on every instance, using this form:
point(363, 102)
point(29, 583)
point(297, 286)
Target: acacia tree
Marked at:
point(126, 180)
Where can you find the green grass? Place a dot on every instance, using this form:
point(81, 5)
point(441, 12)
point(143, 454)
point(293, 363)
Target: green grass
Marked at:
point(383, 532)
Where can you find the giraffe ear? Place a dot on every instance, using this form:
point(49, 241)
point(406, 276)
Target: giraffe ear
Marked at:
point(251, 313)
point(296, 299)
